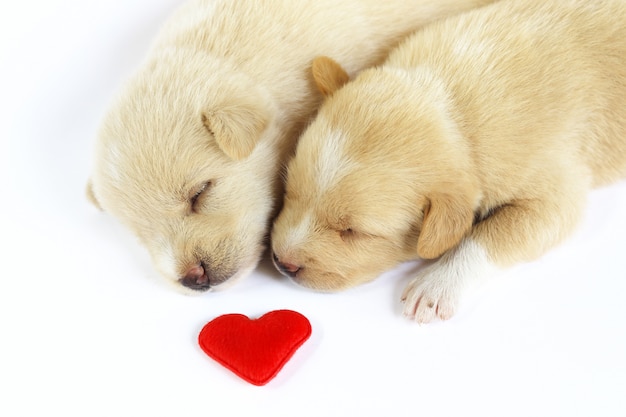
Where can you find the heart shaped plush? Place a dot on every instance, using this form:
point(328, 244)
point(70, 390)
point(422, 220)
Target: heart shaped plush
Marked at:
point(256, 350)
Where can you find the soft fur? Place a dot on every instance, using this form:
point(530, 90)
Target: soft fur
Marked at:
point(189, 156)
point(474, 144)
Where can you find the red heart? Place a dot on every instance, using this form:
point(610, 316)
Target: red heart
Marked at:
point(256, 350)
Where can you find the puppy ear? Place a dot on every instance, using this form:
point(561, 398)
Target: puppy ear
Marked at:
point(91, 196)
point(329, 76)
point(447, 219)
point(237, 125)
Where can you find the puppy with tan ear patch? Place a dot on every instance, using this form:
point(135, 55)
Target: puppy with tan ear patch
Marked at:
point(190, 155)
point(475, 144)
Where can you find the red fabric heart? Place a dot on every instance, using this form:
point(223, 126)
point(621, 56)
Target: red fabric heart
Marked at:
point(256, 350)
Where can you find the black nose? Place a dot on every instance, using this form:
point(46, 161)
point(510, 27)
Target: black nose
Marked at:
point(196, 278)
point(286, 268)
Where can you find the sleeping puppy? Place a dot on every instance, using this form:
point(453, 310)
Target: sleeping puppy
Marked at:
point(475, 144)
point(189, 156)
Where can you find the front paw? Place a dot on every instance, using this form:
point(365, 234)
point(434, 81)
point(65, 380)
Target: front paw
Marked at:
point(437, 290)
point(433, 293)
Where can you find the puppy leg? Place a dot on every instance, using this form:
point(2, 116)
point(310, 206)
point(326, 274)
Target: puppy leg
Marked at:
point(521, 230)
point(438, 288)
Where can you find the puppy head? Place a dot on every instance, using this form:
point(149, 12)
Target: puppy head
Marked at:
point(187, 161)
point(380, 177)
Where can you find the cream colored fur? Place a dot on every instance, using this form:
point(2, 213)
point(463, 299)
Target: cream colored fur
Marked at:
point(474, 144)
point(189, 157)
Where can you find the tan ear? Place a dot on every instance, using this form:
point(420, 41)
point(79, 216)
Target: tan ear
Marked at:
point(91, 196)
point(237, 126)
point(447, 219)
point(329, 76)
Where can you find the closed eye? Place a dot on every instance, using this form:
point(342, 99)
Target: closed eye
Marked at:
point(350, 235)
point(196, 199)
point(347, 234)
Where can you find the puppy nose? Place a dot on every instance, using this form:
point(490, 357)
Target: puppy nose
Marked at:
point(196, 278)
point(286, 268)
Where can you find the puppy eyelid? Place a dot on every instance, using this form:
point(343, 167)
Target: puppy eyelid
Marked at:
point(347, 233)
point(194, 199)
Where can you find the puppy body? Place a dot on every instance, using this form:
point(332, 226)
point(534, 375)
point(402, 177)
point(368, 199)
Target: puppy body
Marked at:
point(475, 144)
point(189, 156)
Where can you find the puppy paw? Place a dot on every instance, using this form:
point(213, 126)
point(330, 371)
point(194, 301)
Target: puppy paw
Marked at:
point(433, 293)
point(437, 290)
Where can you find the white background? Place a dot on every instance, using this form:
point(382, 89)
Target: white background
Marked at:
point(86, 329)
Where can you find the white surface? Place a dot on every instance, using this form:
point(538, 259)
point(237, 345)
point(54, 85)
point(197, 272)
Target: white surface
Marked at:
point(87, 331)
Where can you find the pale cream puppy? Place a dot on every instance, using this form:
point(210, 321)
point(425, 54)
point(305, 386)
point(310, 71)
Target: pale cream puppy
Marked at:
point(474, 144)
point(189, 156)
